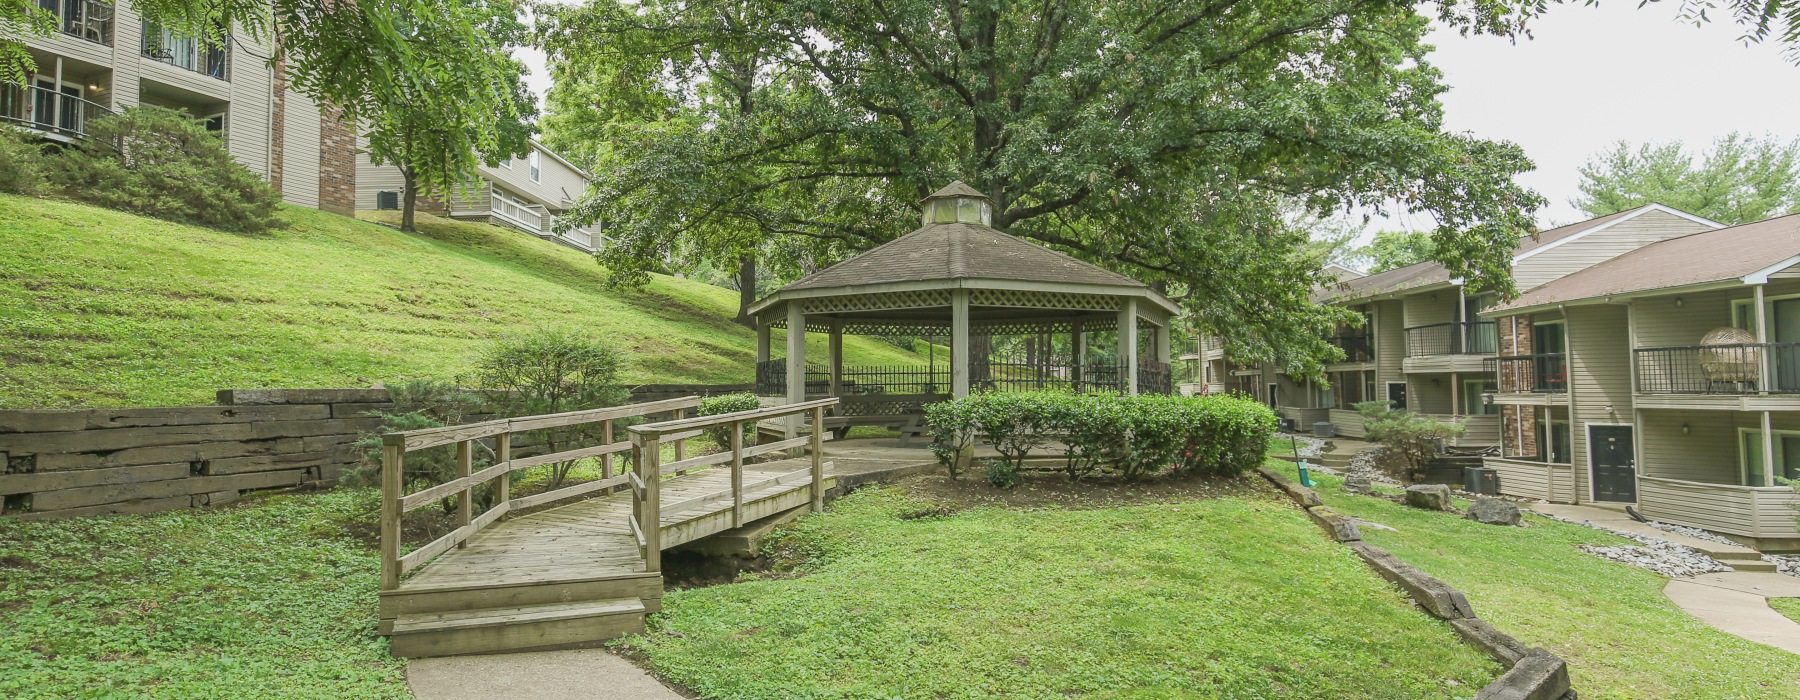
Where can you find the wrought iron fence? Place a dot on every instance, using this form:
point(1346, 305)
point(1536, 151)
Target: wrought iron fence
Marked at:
point(1546, 373)
point(1454, 338)
point(1719, 369)
point(771, 378)
point(1154, 378)
point(43, 109)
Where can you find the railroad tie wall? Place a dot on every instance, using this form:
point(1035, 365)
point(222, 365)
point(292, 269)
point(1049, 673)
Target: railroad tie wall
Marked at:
point(73, 462)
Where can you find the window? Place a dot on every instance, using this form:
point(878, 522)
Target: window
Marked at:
point(1553, 440)
point(506, 162)
point(1750, 458)
point(537, 170)
point(1472, 403)
point(1327, 396)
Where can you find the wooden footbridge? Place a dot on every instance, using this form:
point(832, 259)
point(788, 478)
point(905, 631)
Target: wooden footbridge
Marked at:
point(588, 571)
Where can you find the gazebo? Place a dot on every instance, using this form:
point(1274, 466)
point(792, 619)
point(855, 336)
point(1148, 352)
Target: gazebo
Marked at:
point(1016, 316)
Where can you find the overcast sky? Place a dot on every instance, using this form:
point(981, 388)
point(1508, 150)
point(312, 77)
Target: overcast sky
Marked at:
point(1589, 77)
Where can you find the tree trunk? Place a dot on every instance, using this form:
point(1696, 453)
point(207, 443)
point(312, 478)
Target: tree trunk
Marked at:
point(411, 196)
point(746, 281)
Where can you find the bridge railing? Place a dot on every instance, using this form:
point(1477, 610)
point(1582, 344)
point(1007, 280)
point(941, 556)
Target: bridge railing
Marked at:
point(395, 502)
point(647, 469)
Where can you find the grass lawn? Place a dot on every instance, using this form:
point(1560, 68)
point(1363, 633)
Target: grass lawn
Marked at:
point(264, 600)
point(1230, 597)
point(1621, 637)
point(1787, 606)
point(101, 308)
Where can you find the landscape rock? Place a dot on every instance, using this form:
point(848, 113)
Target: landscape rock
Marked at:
point(1429, 496)
point(1358, 484)
point(1493, 511)
point(1656, 554)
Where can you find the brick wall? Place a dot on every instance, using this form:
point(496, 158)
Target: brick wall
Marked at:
point(1518, 424)
point(136, 460)
point(337, 163)
point(278, 123)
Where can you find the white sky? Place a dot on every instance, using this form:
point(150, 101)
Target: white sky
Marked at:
point(1589, 77)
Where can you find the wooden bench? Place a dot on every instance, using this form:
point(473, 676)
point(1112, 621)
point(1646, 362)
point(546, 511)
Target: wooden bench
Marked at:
point(902, 412)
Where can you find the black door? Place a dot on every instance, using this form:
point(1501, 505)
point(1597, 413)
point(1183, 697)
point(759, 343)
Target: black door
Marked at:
point(1396, 394)
point(1615, 478)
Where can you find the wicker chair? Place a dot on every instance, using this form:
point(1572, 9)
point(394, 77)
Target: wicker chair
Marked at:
point(1736, 359)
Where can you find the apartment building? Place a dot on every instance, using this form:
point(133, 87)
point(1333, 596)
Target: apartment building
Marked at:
point(526, 193)
point(105, 58)
point(1667, 377)
point(1423, 345)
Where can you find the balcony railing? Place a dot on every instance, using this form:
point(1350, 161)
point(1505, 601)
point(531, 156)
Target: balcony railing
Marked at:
point(1454, 338)
point(1357, 348)
point(42, 109)
point(83, 19)
point(1719, 369)
point(185, 52)
point(1547, 373)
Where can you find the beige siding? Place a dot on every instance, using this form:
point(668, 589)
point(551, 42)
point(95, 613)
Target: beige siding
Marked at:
point(1707, 451)
point(1390, 343)
point(1660, 322)
point(1431, 307)
point(372, 178)
point(1348, 423)
point(300, 151)
point(1523, 479)
point(1736, 510)
point(1429, 393)
point(1600, 377)
point(558, 186)
point(1599, 246)
point(1479, 431)
point(249, 117)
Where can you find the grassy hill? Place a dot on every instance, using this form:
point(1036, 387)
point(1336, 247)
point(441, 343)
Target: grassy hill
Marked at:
point(99, 308)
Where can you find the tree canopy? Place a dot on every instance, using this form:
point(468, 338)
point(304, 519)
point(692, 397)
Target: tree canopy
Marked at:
point(1161, 139)
point(1394, 249)
point(1739, 180)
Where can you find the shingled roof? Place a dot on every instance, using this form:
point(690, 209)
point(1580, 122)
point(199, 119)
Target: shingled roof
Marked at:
point(953, 251)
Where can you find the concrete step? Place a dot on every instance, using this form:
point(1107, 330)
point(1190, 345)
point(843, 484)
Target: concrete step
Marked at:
point(531, 627)
point(1740, 565)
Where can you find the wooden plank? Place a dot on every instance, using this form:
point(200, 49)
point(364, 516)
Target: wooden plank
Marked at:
point(431, 495)
point(465, 497)
point(258, 397)
point(37, 421)
point(737, 475)
point(780, 445)
point(567, 492)
point(80, 441)
point(432, 437)
point(503, 455)
point(638, 532)
point(818, 459)
point(570, 455)
point(649, 515)
point(438, 546)
point(114, 493)
point(152, 505)
point(664, 429)
point(392, 457)
point(697, 462)
point(53, 481)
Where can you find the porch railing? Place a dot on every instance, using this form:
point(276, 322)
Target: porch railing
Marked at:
point(1357, 348)
point(1719, 369)
point(187, 52)
point(1546, 373)
point(1454, 338)
point(495, 437)
point(43, 109)
point(1750, 511)
point(89, 20)
point(647, 469)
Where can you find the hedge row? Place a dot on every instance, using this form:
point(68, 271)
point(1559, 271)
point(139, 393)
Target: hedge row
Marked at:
point(1130, 435)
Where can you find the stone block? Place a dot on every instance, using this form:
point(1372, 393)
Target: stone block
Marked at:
point(1338, 527)
point(1493, 511)
point(1499, 645)
point(1429, 497)
point(57, 481)
point(153, 505)
point(1433, 595)
point(1359, 485)
point(1540, 675)
point(1302, 495)
point(251, 397)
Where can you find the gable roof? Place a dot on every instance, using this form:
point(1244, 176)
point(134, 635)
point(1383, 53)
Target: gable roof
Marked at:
point(1747, 253)
point(956, 250)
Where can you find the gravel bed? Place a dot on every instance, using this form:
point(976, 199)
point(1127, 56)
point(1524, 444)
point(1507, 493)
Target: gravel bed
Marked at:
point(1310, 447)
point(1653, 553)
point(1784, 563)
point(1693, 532)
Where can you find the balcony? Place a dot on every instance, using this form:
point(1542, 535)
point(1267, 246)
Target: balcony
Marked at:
point(1546, 373)
point(87, 20)
point(1720, 376)
point(185, 52)
point(1357, 348)
point(1455, 338)
point(42, 109)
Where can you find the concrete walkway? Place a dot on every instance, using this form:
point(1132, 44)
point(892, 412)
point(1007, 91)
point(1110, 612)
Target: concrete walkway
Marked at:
point(1744, 559)
point(1738, 602)
point(576, 674)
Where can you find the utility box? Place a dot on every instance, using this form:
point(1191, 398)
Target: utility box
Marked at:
point(387, 199)
point(1481, 480)
point(1288, 425)
point(1324, 430)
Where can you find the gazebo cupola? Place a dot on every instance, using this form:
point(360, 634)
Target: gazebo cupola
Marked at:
point(1016, 315)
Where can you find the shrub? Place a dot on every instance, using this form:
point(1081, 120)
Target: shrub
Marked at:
point(22, 162)
point(163, 163)
point(729, 403)
point(1002, 474)
point(1095, 431)
point(952, 428)
point(1411, 440)
point(420, 404)
point(553, 371)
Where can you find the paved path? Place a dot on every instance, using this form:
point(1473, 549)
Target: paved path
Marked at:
point(576, 674)
point(1730, 554)
point(1737, 602)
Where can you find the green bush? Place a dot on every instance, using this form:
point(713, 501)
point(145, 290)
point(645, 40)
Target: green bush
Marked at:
point(22, 162)
point(163, 163)
point(729, 403)
point(549, 371)
point(420, 404)
point(1411, 440)
point(1133, 436)
point(1002, 474)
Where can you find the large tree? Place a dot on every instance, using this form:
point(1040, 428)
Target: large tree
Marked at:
point(1162, 139)
point(1394, 249)
point(1739, 180)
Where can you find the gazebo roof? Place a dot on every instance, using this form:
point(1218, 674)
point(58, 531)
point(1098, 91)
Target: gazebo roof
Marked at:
point(958, 251)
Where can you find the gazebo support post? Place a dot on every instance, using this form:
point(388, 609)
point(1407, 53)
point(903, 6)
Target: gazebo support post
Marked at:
point(762, 342)
point(959, 358)
point(835, 350)
point(796, 363)
point(1128, 361)
point(1077, 353)
point(1162, 353)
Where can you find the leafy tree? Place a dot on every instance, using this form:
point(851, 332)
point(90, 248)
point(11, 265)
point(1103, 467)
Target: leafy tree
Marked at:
point(1394, 249)
point(160, 162)
point(20, 18)
point(1161, 139)
point(1741, 179)
point(550, 371)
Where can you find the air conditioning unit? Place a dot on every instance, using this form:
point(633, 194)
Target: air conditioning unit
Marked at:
point(387, 199)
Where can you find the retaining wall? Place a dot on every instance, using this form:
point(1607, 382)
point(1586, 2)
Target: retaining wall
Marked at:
point(59, 463)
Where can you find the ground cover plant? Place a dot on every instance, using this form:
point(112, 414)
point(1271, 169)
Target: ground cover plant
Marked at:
point(1621, 636)
point(895, 596)
point(1787, 606)
point(102, 308)
point(271, 599)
